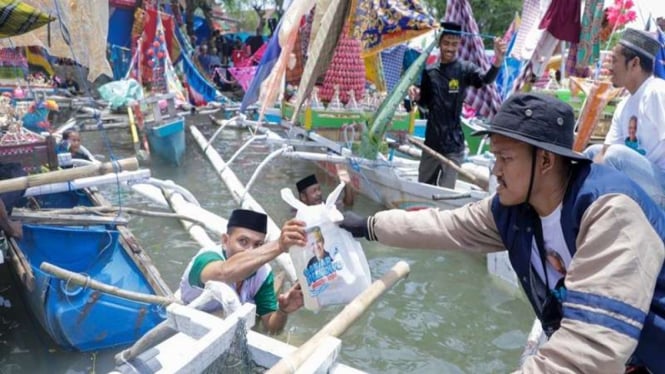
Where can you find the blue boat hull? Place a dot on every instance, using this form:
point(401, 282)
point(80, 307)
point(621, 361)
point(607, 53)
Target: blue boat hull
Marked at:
point(167, 141)
point(80, 318)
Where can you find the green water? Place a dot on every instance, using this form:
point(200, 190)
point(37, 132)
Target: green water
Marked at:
point(448, 316)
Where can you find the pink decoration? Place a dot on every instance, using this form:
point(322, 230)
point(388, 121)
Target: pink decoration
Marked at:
point(347, 70)
point(160, 55)
point(151, 63)
point(156, 44)
point(150, 52)
point(19, 93)
point(619, 14)
point(243, 75)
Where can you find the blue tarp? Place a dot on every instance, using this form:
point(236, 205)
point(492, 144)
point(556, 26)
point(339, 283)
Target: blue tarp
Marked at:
point(120, 27)
point(201, 29)
point(194, 78)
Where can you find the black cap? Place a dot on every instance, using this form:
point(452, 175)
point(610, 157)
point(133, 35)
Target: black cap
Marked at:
point(309, 180)
point(248, 219)
point(451, 28)
point(641, 42)
point(537, 119)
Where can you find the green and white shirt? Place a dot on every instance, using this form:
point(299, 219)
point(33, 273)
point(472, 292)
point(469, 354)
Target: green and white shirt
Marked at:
point(258, 288)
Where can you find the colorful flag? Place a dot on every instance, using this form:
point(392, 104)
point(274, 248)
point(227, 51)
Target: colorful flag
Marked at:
point(17, 18)
point(268, 61)
point(321, 47)
point(36, 58)
point(659, 68)
point(287, 36)
point(380, 24)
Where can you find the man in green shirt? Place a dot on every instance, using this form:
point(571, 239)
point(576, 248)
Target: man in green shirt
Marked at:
point(242, 262)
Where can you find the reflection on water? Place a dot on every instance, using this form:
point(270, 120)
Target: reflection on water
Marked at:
point(448, 316)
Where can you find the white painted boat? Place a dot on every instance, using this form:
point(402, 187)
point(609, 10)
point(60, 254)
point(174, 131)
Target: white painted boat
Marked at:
point(392, 183)
point(201, 341)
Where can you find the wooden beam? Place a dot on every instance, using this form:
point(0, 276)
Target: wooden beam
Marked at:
point(86, 281)
point(50, 218)
point(22, 183)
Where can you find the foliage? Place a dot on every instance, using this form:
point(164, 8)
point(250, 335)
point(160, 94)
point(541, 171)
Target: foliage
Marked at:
point(249, 13)
point(492, 16)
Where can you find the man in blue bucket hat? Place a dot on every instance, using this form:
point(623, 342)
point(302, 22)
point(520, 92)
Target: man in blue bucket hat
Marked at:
point(585, 241)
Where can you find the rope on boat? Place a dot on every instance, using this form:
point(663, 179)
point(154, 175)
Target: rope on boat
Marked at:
point(258, 170)
point(247, 143)
point(219, 130)
point(175, 187)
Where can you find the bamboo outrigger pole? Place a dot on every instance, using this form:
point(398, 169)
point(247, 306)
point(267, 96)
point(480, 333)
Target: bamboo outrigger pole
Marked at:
point(475, 179)
point(338, 325)
point(85, 281)
point(22, 183)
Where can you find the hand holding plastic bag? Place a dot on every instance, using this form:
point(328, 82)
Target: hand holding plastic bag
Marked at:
point(331, 268)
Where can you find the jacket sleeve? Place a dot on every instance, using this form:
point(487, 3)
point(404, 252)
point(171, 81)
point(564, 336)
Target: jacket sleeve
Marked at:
point(469, 228)
point(477, 78)
point(610, 284)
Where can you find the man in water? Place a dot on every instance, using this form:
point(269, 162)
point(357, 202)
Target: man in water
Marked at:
point(309, 192)
point(242, 262)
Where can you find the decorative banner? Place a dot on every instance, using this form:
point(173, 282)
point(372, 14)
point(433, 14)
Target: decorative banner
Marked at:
point(79, 33)
point(598, 93)
point(244, 76)
point(380, 24)
point(36, 57)
point(321, 48)
point(17, 18)
point(374, 72)
point(149, 37)
point(659, 68)
point(393, 60)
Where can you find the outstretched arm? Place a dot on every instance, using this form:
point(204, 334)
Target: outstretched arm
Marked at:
point(244, 264)
point(469, 228)
point(477, 78)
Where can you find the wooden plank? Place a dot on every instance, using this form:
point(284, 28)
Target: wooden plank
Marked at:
point(49, 218)
point(85, 281)
point(21, 183)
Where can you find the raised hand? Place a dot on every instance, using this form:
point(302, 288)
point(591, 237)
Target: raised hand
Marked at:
point(291, 300)
point(500, 48)
point(293, 233)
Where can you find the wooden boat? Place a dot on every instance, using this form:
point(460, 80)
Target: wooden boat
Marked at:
point(100, 247)
point(475, 145)
point(165, 130)
point(191, 341)
point(391, 182)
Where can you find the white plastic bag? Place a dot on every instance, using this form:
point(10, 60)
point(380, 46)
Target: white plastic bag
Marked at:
point(331, 268)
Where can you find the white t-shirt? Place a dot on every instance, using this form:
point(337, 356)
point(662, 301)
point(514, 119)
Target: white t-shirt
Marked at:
point(647, 104)
point(555, 245)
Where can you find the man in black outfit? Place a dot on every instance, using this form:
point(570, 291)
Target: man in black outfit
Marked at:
point(442, 92)
point(255, 42)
